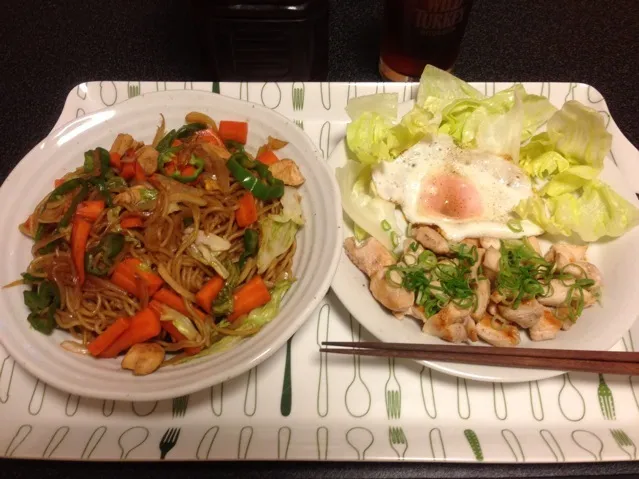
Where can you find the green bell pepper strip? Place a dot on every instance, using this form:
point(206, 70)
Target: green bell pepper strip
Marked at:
point(271, 189)
point(251, 239)
point(77, 199)
point(187, 130)
point(65, 187)
point(105, 161)
point(110, 246)
point(199, 166)
point(102, 187)
point(166, 157)
point(89, 164)
point(236, 146)
point(43, 301)
point(165, 143)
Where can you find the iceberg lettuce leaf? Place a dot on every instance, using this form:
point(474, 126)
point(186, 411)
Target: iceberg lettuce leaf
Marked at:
point(367, 210)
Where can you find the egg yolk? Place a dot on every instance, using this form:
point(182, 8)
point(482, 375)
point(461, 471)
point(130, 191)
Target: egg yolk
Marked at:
point(450, 195)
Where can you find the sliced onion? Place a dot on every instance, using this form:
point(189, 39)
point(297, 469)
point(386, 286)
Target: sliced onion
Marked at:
point(74, 347)
point(159, 133)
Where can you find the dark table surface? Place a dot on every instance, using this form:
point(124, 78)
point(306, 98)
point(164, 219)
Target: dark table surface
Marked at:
point(48, 47)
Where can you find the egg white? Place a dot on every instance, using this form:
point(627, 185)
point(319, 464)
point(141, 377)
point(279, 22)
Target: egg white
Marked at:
point(499, 183)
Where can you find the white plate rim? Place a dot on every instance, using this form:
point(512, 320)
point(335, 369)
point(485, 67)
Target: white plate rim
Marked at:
point(261, 353)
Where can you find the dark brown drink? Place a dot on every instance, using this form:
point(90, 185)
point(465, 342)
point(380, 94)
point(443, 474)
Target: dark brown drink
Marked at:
point(420, 32)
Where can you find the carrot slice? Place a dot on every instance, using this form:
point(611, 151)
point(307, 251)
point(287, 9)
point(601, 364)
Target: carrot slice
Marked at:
point(233, 130)
point(268, 157)
point(131, 222)
point(173, 300)
point(109, 336)
point(209, 292)
point(125, 282)
point(144, 326)
point(115, 159)
point(176, 142)
point(246, 213)
point(90, 210)
point(177, 336)
point(128, 171)
point(250, 296)
point(209, 136)
point(58, 182)
point(80, 230)
point(139, 174)
point(132, 267)
point(124, 276)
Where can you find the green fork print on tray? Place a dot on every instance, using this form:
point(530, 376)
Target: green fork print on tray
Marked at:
point(398, 441)
point(606, 401)
point(393, 393)
point(473, 442)
point(624, 442)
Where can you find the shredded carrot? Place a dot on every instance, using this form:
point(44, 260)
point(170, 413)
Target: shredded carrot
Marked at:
point(175, 143)
point(80, 230)
point(144, 326)
point(90, 210)
point(188, 170)
point(173, 300)
point(246, 214)
point(131, 222)
point(250, 296)
point(170, 168)
point(209, 136)
point(109, 336)
point(115, 159)
point(268, 157)
point(209, 292)
point(58, 182)
point(233, 130)
point(125, 282)
point(124, 276)
point(139, 172)
point(128, 170)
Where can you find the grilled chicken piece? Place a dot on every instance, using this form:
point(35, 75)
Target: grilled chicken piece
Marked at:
point(449, 324)
point(559, 294)
point(562, 253)
point(546, 328)
point(482, 291)
point(395, 298)
point(471, 329)
point(526, 315)
point(583, 269)
point(147, 157)
point(491, 263)
point(534, 242)
point(124, 142)
point(475, 267)
point(487, 242)
point(431, 239)
point(370, 256)
point(506, 336)
point(143, 358)
point(287, 171)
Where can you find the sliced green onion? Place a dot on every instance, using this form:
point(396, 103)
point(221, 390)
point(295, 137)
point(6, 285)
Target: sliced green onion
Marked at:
point(427, 259)
point(394, 239)
point(410, 259)
point(394, 277)
point(515, 226)
point(386, 225)
point(360, 233)
point(413, 246)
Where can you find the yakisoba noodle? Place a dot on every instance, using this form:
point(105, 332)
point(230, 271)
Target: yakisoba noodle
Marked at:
point(179, 247)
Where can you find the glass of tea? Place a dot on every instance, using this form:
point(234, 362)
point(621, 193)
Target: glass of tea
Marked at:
point(420, 32)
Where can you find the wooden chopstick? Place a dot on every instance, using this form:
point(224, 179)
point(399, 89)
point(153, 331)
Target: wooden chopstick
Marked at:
point(609, 362)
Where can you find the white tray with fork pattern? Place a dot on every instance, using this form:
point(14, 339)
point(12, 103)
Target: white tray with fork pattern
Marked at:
point(327, 407)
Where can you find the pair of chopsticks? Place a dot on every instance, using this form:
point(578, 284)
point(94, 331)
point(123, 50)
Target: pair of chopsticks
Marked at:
point(609, 362)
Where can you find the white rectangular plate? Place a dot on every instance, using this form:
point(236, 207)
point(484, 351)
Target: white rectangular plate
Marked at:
point(341, 408)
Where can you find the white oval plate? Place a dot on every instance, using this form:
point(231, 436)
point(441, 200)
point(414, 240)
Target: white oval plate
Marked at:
point(319, 243)
point(599, 328)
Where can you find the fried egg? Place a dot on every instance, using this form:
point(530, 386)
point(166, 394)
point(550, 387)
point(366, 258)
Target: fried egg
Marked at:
point(466, 193)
